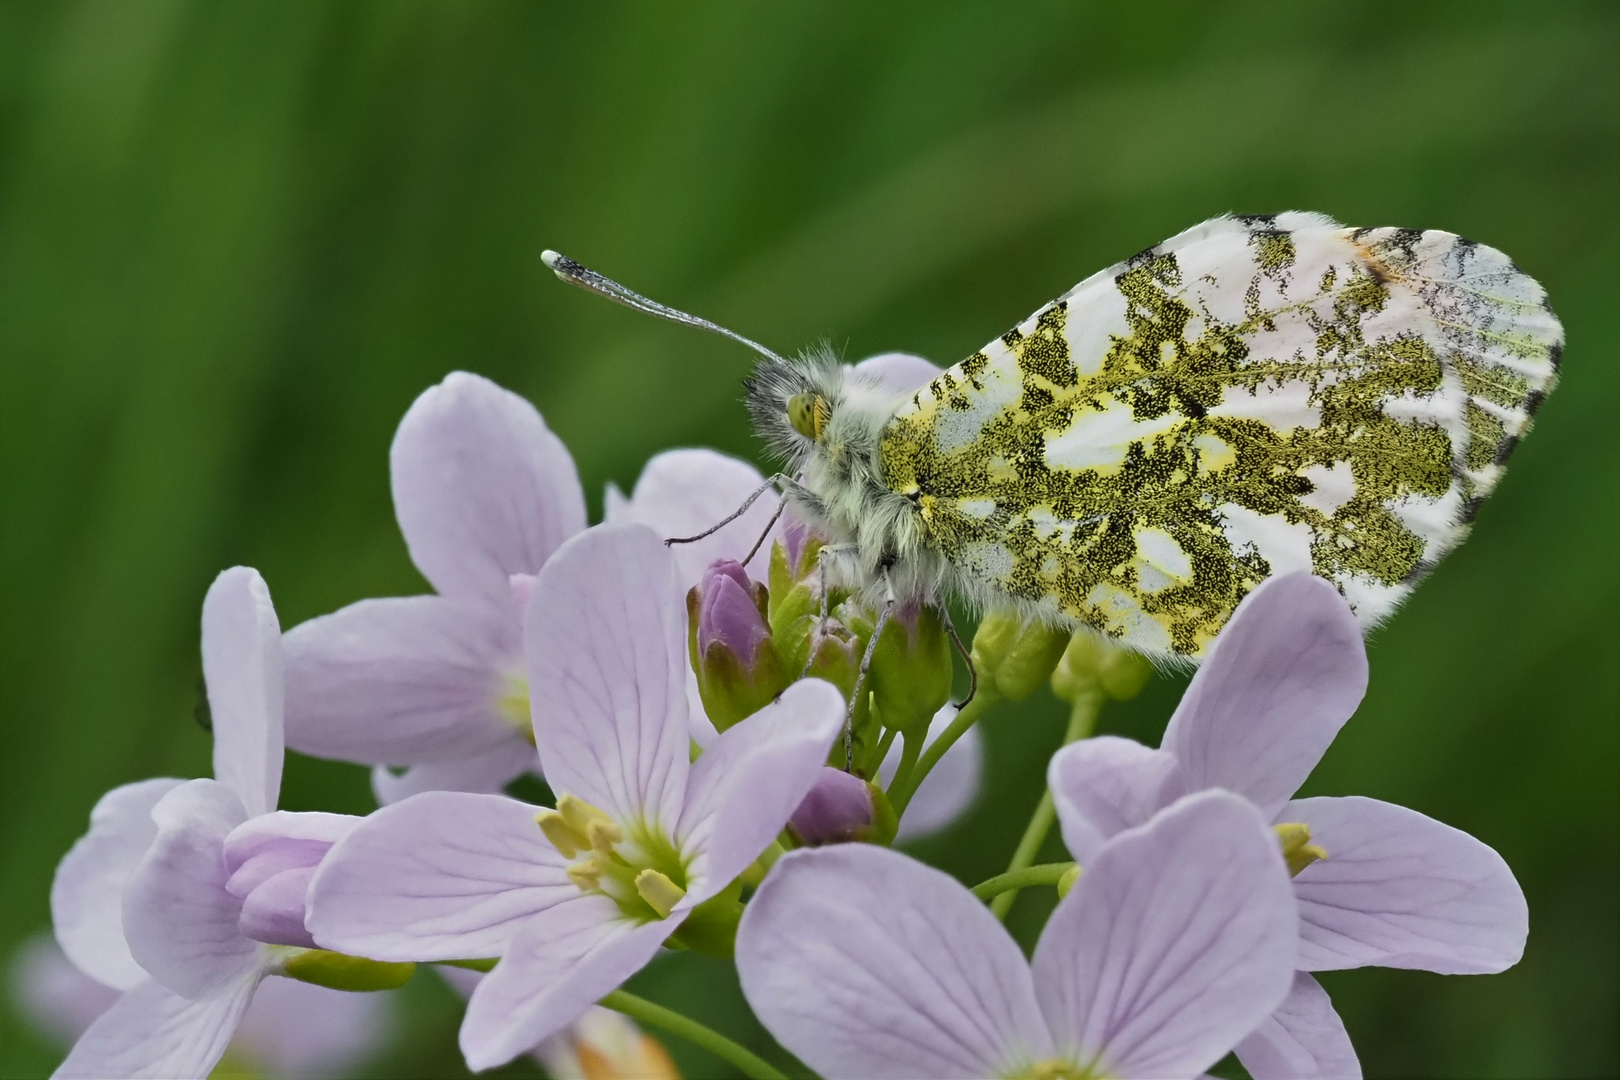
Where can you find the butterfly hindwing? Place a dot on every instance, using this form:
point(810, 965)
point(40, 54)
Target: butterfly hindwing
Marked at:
point(1252, 397)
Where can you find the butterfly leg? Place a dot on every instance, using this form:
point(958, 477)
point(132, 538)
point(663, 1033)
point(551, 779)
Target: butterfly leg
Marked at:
point(967, 658)
point(860, 677)
point(734, 515)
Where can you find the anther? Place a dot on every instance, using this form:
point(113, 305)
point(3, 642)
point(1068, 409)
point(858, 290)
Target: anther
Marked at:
point(1298, 851)
point(659, 891)
point(586, 874)
point(560, 833)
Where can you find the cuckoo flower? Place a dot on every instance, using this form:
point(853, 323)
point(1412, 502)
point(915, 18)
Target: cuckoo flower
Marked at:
point(183, 881)
point(575, 900)
point(1175, 942)
point(292, 1029)
point(1377, 884)
point(483, 491)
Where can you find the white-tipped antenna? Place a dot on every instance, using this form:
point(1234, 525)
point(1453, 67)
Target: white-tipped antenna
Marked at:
point(577, 274)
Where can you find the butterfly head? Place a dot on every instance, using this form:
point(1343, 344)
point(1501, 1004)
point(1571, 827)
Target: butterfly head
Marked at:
point(808, 412)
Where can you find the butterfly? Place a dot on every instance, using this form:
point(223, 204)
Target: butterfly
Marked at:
point(1255, 396)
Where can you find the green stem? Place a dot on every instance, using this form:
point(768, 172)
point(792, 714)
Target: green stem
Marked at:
point(909, 750)
point(1082, 720)
point(875, 762)
point(900, 795)
point(645, 1012)
point(1044, 874)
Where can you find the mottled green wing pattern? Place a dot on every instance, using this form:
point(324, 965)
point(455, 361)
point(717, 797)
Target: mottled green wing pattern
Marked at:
point(1253, 397)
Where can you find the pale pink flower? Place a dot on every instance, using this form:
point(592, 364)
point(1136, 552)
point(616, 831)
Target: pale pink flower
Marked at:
point(1396, 888)
point(578, 901)
point(1176, 941)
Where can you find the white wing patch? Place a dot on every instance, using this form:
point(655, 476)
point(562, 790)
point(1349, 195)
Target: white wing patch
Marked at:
point(1251, 397)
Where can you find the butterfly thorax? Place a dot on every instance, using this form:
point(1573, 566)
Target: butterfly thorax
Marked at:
point(878, 541)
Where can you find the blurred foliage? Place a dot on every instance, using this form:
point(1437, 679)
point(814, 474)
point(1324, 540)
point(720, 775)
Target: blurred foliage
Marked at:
point(237, 239)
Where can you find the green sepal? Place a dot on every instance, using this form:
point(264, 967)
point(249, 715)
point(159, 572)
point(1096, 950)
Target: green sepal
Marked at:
point(711, 929)
point(339, 971)
point(885, 822)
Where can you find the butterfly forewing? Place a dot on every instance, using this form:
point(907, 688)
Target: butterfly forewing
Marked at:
point(1252, 397)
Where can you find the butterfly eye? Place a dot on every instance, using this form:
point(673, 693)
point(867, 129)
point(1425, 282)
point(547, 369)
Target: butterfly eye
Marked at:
point(808, 414)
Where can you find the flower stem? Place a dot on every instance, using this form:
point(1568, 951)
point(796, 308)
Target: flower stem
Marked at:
point(1044, 874)
point(645, 1012)
point(1082, 719)
point(899, 792)
point(910, 748)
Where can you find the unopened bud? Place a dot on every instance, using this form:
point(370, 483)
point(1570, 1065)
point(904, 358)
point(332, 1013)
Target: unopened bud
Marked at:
point(1015, 657)
point(605, 1045)
point(1298, 851)
point(910, 677)
point(339, 971)
point(841, 807)
point(738, 668)
point(1092, 664)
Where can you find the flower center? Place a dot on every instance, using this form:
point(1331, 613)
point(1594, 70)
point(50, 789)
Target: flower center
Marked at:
point(1297, 849)
point(1056, 1069)
point(512, 703)
point(639, 868)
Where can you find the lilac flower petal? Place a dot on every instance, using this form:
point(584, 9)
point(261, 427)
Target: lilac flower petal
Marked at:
point(274, 911)
point(1399, 889)
point(1303, 1040)
point(901, 372)
point(153, 1032)
point(1105, 785)
point(684, 492)
point(281, 841)
point(945, 793)
point(864, 962)
point(1279, 682)
point(50, 994)
point(241, 651)
point(482, 489)
point(607, 660)
point(178, 917)
point(87, 896)
point(296, 1029)
point(561, 963)
point(752, 777)
point(441, 876)
point(484, 773)
point(401, 681)
point(1177, 941)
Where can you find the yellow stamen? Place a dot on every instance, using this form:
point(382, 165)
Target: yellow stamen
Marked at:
point(562, 836)
point(579, 814)
point(602, 835)
point(586, 874)
point(659, 891)
point(1298, 851)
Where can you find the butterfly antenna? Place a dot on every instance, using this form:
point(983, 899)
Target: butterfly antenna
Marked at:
point(578, 274)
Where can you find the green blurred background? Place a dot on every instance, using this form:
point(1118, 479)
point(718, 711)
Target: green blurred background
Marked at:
point(237, 239)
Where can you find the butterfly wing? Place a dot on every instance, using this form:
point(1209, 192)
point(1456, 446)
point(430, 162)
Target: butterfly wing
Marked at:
point(1253, 397)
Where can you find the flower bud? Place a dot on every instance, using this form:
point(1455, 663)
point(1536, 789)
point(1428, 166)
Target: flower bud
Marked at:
point(339, 971)
point(1093, 664)
point(605, 1045)
point(910, 677)
point(737, 665)
point(841, 807)
point(795, 595)
point(1015, 657)
point(270, 861)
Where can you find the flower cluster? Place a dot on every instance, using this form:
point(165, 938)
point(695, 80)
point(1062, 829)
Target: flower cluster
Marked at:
point(726, 779)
